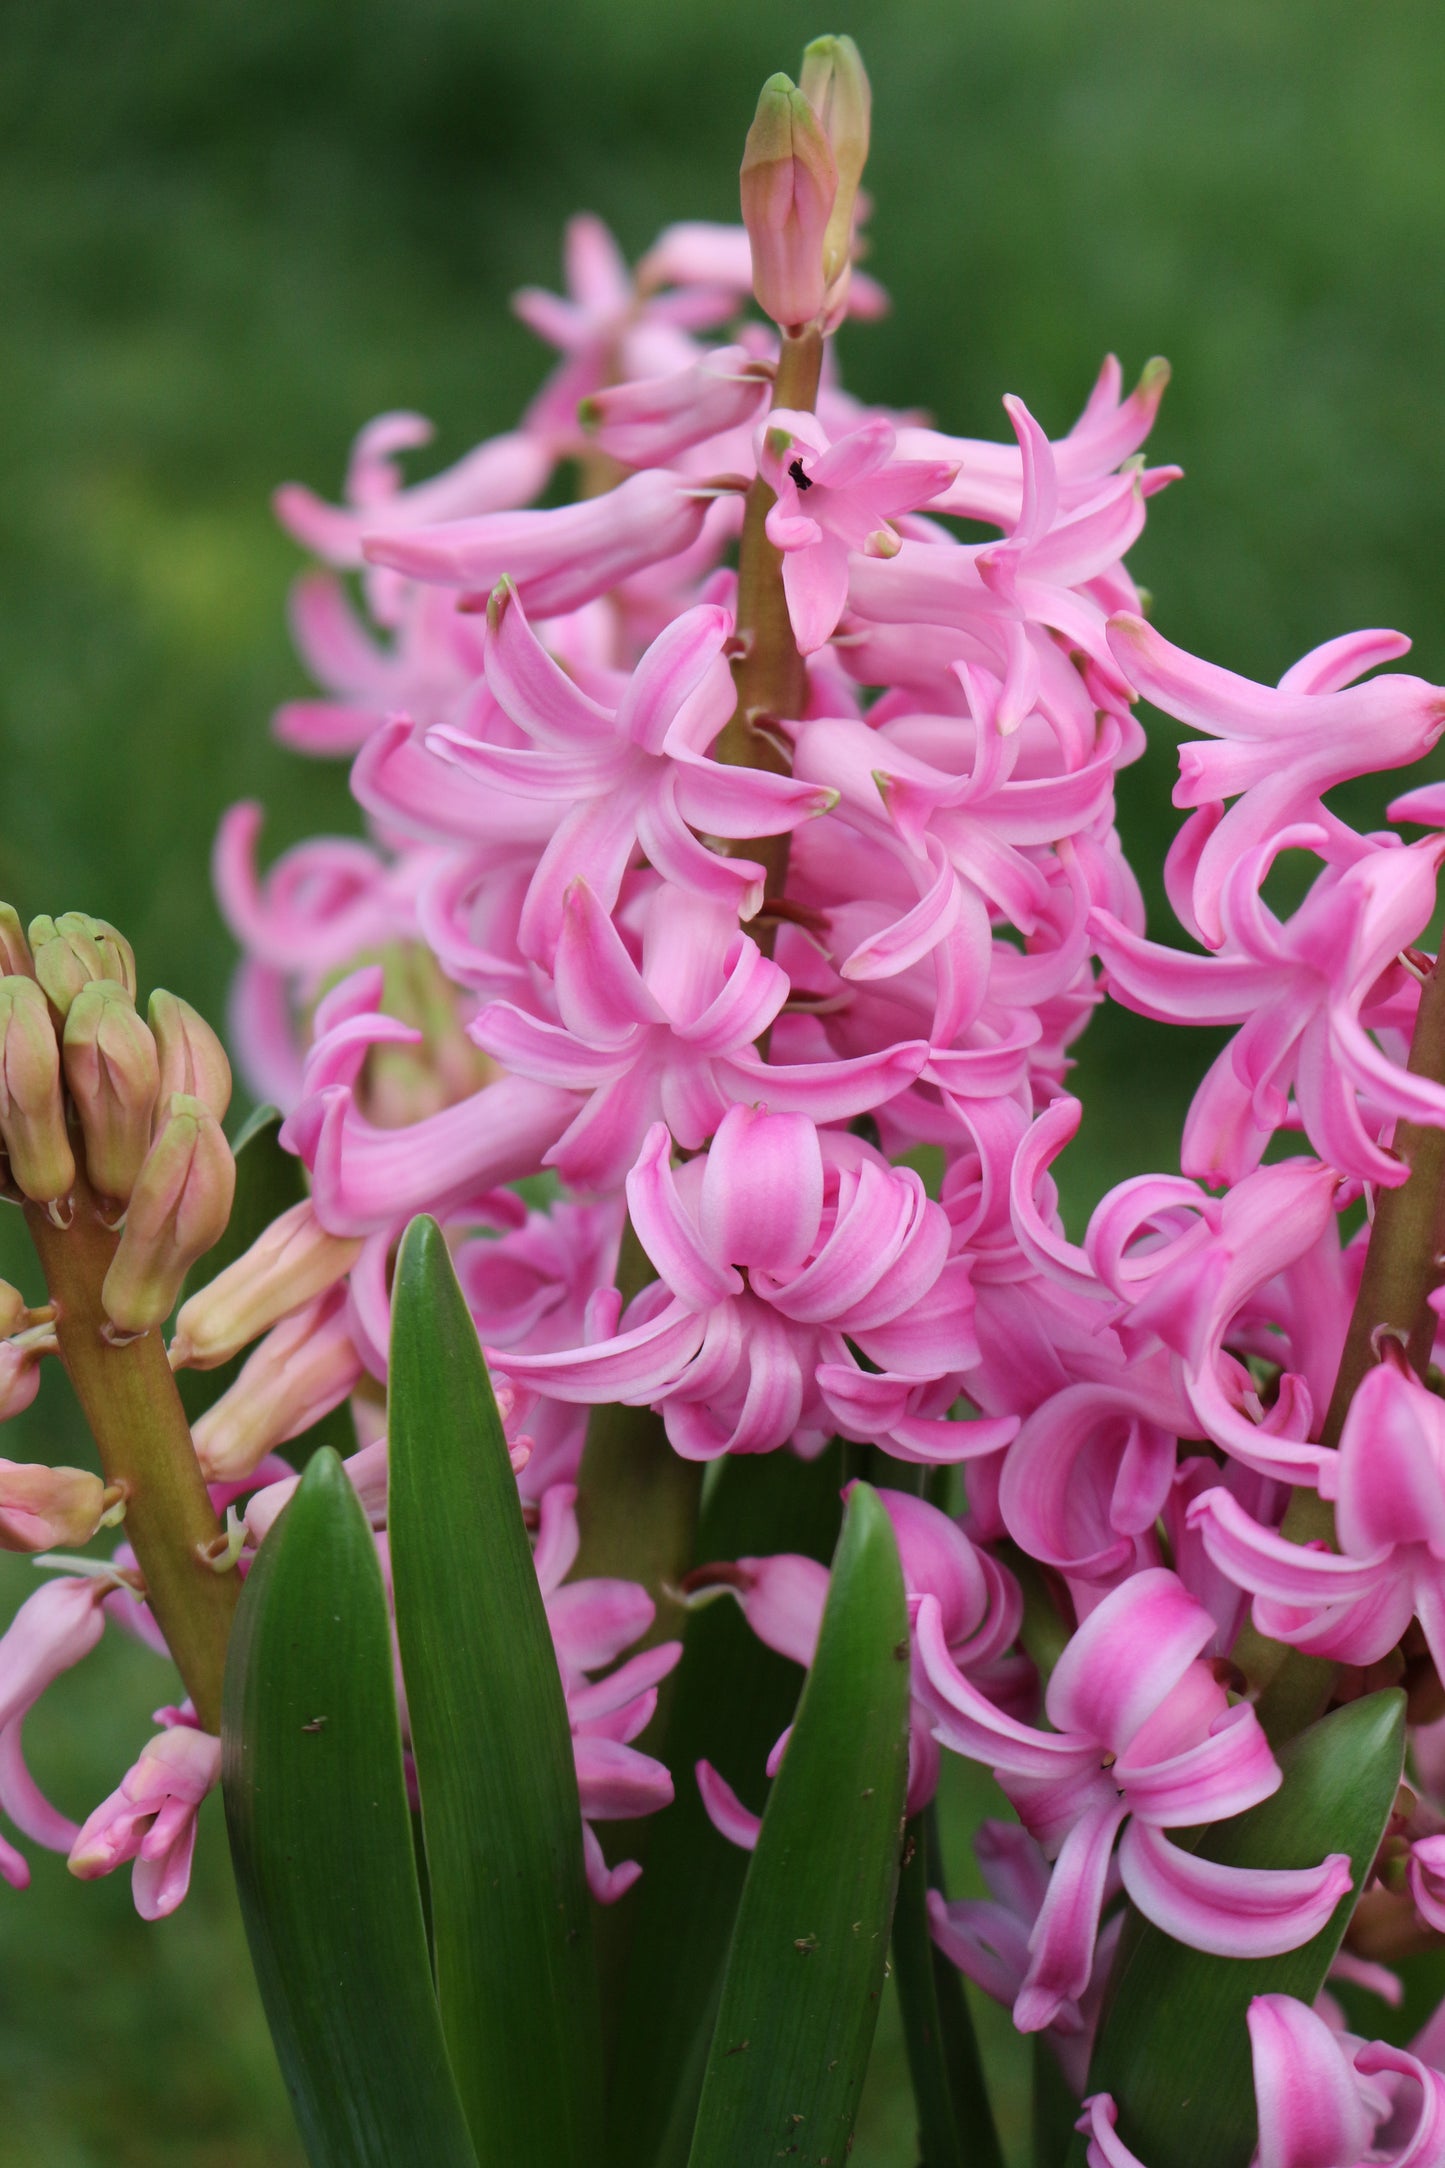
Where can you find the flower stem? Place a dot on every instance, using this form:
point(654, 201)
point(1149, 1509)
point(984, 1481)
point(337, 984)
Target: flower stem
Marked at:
point(770, 675)
point(129, 1398)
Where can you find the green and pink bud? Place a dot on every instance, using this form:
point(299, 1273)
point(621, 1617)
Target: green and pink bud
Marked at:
point(178, 1209)
point(789, 182)
point(293, 1262)
point(192, 1058)
point(42, 1507)
point(303, 1369)
point(32, 1104)
point(835, 83)
point(74, 950)
point(15, 958)
point(113, 1074)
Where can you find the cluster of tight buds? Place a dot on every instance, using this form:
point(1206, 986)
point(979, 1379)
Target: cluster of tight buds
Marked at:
point(740, 869)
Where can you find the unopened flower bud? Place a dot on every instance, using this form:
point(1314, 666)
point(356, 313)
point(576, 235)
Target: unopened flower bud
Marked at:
point(14, 1310)
point(32, 1106)
point(19, 1377)
point(73, 950)
point(835, 83)
point(113, 1073)
point(41, 1507)
point(178, 1208)
point(789, 186)
point(301, 1371)
point(292, 1262)
point(15, 958)
point(193, 1059)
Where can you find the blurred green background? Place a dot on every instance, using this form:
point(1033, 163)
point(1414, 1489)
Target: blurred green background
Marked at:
point(230, 232)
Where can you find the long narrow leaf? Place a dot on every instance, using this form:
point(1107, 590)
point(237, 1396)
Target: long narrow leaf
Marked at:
point(733, 1697)
point(955, 2123)
point(321, 1838)
point(511, 1924)
point(800, 1998)
point(1174, 2049)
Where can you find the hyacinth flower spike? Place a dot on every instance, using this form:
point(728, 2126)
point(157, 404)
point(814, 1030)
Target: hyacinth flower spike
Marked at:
point(1144, 1741)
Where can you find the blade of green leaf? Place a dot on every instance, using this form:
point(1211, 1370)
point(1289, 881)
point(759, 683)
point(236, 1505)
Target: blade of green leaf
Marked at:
point(321, 1839)
point(733, 1697)
point(1174, 2049)
point(800, 1996)
point(511, 1923)
point(955, 2122)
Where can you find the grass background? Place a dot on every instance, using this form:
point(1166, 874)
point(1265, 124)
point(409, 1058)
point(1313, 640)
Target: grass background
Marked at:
point(231, 232)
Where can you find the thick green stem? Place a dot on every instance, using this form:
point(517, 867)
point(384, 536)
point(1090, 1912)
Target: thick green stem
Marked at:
point(129, 1398)
point(771, 676)
point(1402, 1270)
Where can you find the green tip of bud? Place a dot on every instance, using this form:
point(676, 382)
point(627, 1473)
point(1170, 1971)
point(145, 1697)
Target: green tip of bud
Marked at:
point(113, 1073)
point(15, 958)
point(836, 85)
point(74, 950)
point(589, 415)
point(499, 601)
point(1154, 377)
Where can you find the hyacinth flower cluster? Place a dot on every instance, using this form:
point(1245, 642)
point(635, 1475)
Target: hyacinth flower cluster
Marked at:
point(740, 867)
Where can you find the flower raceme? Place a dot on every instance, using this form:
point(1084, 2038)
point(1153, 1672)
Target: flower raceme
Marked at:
point(740, 869)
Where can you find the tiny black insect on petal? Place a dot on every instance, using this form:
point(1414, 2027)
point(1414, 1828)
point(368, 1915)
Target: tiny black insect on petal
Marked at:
point(796, 471)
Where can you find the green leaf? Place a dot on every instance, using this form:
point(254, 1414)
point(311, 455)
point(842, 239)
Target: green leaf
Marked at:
point(955, 2122)
point(1174, 2049)
point(733, 1697)
point(800, 1997)
point(321, 1839)
point(268, 1182)
point(511, 1922)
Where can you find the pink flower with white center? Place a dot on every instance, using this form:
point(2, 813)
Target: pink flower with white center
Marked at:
point(1388, 1484)
point(592, 1622)
point(1325, 2099)
point(671, 1040)
point(987, 1938)
point(51, 1633)
point(634, 777)
point(1144, 1741)
point(151, 1819)
point(1298, 989)
point(1278, 749)
point(782, 1599)
point(834, 499)
point(774, 1251)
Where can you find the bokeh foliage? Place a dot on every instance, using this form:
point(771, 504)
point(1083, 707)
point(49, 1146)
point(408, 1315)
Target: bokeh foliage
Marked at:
point(231, 232)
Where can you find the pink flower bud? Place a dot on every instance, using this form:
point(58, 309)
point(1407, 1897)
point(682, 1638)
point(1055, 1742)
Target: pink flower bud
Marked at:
point(294, 1261)
point(41, 1507)
point(300, 1372)
point(15, 956)
point(192, 1058)
point(19, 1378)
point(113, 1073)
point(32, 1108)
point(178, 1208)
point(151, 1819)
point(789, 186)
point(14, 1310)
point(835, 83)
point(74, 949)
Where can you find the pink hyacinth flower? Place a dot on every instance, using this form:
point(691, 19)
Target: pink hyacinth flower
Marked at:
point(673, 1039)
point(1277, 750)
point(51, 1632)
point(151, 1819)
point(592, 1622)
point(1144, 1741)
point(834, 498)
point(634, 776)
point(775, 1251)
point(1388, 1483)
point(1325, 2099)
point(1298, 989)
